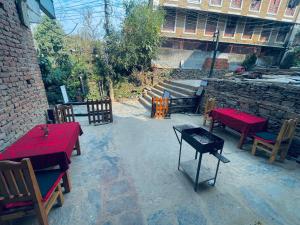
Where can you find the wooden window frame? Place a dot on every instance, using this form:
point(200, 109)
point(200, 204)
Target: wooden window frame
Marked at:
point(209, 35)
point(271, 13)
point(184, 28)
point(210, 4)
point(175, 25)
point(236, 25)
point(231, 7)
point(251, 10)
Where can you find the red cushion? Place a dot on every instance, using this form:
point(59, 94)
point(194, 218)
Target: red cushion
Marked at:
point(47, 181)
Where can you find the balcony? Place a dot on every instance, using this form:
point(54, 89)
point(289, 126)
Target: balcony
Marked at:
point(279, 11)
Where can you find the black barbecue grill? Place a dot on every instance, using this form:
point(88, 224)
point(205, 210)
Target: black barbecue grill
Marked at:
point(203, 142)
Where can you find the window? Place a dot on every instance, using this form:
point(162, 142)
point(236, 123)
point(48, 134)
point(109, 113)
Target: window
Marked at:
point(211, 25)
point(255, 5)
point(230, 27)
point(248, 30)
point(281, 35)
point(191, 22)
point(291, 8)
point(194, 1)
point(265, 33)
point(216, 2)
point(273, 6)
point(170, 20)
point(237, 4)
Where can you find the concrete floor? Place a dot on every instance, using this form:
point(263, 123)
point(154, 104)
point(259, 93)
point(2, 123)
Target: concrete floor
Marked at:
point(127, 175)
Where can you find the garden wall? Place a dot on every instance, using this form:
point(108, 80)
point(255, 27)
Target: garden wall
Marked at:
point(22, 95)
point(269, 100)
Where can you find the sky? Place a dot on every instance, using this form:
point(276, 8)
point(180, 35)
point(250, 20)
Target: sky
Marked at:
point(70, 13)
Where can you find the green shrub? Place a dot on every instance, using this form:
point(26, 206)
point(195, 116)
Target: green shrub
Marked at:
point(250, 61)
point(287, 60)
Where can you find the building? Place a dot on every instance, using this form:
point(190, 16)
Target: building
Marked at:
point(245, 26)
point(23, 99)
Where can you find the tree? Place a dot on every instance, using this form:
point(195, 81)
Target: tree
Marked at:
point(54, 61)
point(136, 44)
point(58, 66)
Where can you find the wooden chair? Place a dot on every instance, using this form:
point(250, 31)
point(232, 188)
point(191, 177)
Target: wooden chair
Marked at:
point(209, 106)
point(23, 192)
point(272, 143)
point(64, 114)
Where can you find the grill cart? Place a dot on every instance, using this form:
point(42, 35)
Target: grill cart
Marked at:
point(203, 142)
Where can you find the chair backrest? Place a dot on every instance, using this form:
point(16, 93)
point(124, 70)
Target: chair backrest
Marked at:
point(209, 105)
point(64, 113)
point(18, 183)
point(287, 130)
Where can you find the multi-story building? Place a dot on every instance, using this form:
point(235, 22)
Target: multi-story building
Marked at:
point(245, 26)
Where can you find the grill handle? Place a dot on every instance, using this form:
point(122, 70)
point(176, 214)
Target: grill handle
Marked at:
point(221, 158)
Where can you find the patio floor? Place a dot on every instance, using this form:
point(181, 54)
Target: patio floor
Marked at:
point(127, 175)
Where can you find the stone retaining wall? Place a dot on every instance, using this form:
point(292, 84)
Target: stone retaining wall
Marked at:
point(22, 95)
point(276, 102)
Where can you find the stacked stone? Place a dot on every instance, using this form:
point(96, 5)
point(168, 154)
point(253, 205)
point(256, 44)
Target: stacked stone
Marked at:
point(22, 95)
point(273, 101)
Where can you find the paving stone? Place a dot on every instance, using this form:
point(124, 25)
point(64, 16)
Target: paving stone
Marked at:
point(118, 188)
point(160, 218)
point(187, 217)
point(261, 207)
point(131, 218)
point(121, 204)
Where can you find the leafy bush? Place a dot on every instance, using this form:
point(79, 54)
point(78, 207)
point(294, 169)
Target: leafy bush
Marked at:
point(287, 60)
point(250, 61)
point(125, 89)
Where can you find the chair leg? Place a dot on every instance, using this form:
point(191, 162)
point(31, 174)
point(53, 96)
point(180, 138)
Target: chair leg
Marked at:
point(204, 120)
point(41, 214)
point(274, 153)
point(60, 198)
point(254, 146)
point(77, 146)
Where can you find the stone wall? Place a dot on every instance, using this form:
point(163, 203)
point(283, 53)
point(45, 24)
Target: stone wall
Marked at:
point(22, 94)
point(275, 102)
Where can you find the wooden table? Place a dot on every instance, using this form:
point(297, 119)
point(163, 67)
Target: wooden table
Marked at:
point(242, 122)
point(47, 151)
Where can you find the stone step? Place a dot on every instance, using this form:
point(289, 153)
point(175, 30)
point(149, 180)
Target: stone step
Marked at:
point(189, 92)
point(178, 84)
point(145, 103)
point(148, 98)
point(152, 94)
point(159, 90)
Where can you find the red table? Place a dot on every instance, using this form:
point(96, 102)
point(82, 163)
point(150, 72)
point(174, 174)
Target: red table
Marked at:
point(46, 151)
point(242, 122)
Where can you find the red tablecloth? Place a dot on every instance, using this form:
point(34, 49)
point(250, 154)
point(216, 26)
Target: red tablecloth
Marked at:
point(55, 149)
point(243, 122)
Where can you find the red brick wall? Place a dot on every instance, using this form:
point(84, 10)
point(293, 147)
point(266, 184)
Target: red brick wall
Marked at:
point(22, 94)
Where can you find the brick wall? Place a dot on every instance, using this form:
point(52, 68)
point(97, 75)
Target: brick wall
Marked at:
point(276, 102)
point(22, 95)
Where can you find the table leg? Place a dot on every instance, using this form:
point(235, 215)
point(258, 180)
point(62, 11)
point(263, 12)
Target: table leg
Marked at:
point(67, 182)
point(242, 140)
point(179, 153)
point(77, 146)
point(198, 172)
point(212, 123)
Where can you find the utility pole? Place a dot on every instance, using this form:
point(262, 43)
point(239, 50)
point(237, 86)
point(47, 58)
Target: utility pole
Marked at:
point(216, 36)
point(107, 17)
point(109, 82)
